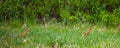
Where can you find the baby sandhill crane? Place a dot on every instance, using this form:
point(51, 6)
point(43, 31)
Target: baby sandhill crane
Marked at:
point(25, 33)
point(88, 32)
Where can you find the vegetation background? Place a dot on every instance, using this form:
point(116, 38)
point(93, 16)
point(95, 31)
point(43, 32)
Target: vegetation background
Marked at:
point(56, 16)
point(92, 11)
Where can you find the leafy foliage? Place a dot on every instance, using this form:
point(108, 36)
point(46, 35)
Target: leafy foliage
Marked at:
point(95, 11)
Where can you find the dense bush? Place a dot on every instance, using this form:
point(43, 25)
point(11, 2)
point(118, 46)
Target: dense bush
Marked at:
point(93, 11)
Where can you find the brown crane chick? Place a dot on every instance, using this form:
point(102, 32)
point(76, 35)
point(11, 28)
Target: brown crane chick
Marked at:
point(88, 32)
point(25, 33)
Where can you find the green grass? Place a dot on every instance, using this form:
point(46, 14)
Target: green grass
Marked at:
point(46, 36)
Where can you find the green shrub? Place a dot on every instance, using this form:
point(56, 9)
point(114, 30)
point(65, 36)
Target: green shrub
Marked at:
point(95, 11)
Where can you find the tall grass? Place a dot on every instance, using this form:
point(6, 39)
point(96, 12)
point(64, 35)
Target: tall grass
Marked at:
point(65, 36)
